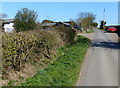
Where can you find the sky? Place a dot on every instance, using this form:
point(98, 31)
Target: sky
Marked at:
point(64, 11)
point(119, 12)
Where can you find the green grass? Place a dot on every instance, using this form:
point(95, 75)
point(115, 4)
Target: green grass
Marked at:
point(64, 71)
point(102, 30)
point(119, 39)
point(90, 31)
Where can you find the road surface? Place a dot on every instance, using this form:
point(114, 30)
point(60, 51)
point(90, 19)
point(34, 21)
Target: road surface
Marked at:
point(101, 63)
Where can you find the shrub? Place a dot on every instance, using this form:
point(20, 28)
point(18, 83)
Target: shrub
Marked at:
point(31, 46)
point(119, 40)
point(38, 26)
point(19, 48)
point(83, 40)
point(67, 34)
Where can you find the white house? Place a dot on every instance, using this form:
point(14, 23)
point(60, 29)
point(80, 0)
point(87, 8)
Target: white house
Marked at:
point(8, 26)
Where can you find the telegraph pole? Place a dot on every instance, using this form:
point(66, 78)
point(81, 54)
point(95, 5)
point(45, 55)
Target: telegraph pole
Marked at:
point(104, 15)
point(102, 26)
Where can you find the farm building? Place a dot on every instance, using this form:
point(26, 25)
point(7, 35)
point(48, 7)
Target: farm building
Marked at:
point(66, 24)
point(8, 25)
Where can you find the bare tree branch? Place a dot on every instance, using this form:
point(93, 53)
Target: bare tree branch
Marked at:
point(3, 15)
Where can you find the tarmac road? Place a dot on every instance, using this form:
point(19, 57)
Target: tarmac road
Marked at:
point(101, 63)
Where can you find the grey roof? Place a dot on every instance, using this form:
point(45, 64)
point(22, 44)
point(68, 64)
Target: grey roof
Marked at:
point(7, 20)
point(48, 24)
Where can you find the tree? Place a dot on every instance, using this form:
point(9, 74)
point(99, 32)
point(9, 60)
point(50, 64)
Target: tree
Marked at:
point(85, 19)
point(38, 25)
point(94, 24)
point(47, 21)
point(3, 15)
point(25, 19)
point(102, 24)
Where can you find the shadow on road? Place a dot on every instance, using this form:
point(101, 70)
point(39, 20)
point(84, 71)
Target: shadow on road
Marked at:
point(110, 45)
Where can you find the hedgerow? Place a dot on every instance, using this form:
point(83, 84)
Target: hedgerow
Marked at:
point(23, 47)
point(18, 48)
point(65, 70)
point(66, 33)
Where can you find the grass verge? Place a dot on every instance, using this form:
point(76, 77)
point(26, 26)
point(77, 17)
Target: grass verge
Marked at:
point(102, 30)
point(65, 70)
point(119, 39)
point(90, 31)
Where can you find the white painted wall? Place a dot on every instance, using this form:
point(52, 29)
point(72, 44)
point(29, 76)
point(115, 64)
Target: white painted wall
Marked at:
point(9, 27)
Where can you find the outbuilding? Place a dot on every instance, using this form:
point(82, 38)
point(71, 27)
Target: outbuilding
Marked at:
point(8, 26)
